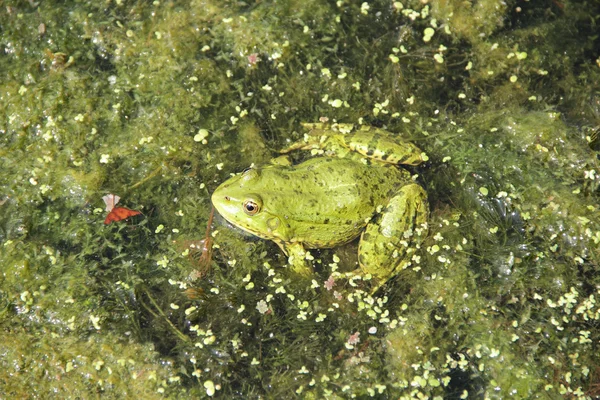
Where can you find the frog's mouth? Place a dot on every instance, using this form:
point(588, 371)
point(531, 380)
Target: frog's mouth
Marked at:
point(248, 214)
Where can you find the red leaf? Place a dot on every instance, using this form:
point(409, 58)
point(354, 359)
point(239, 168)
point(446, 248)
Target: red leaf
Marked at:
point(119, 214)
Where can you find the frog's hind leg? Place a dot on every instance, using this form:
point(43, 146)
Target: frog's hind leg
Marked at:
point(386, 245)
point(383, 146)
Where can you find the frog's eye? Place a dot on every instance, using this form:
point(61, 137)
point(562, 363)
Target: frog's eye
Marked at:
point(251, 207)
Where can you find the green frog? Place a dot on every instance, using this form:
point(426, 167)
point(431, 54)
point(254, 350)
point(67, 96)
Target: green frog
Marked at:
point(351, 187)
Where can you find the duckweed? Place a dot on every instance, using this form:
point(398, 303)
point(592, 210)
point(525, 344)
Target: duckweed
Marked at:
point(159, 102)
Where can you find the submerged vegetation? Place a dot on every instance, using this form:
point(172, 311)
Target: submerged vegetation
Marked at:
point(160, 102)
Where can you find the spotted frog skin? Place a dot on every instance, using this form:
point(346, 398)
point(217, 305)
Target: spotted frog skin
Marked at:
point(352, 187)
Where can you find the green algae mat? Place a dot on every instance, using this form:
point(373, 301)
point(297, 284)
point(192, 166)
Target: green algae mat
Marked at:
point(160, 102)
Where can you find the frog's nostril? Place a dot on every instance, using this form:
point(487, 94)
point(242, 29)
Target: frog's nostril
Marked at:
point(227, 198)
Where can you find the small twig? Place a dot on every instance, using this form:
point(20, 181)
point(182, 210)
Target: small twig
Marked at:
point(180, 334)
point(152, 175)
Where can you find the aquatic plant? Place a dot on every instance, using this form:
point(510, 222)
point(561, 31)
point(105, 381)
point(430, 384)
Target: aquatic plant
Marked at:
point(160, 102)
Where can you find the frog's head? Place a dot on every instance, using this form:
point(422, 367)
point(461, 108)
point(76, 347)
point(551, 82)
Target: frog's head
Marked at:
point(240, 202)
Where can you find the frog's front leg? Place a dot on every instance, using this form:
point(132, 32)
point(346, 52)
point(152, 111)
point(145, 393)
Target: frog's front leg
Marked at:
point(297, 258)
point(386, 245)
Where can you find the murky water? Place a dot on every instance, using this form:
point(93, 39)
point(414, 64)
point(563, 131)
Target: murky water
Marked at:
point(160, 102)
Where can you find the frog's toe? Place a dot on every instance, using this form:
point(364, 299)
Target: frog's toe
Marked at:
point(301, 267)
point(282, 161)
point(297, 259)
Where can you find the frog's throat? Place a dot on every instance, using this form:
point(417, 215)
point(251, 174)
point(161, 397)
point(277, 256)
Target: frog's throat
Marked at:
point(275, 229)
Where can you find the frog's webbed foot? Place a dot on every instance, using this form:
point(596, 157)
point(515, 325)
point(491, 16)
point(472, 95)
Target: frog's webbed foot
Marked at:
point(297, 258)
point(320, 136)
point(299, 145)
point(386, 246)
point(310, 141)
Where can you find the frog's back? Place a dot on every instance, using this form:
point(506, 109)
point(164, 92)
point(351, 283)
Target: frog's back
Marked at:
point(326, 200)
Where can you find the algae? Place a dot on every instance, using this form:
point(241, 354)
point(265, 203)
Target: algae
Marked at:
point(159, 102)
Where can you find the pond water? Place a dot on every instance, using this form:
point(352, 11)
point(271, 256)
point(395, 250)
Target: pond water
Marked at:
point(158, 103)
